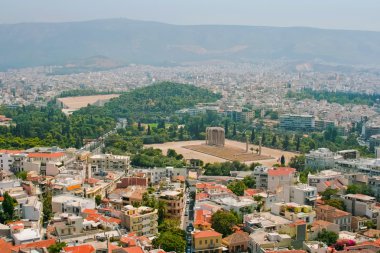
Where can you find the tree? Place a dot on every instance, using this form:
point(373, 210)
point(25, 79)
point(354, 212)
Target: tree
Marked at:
point(249, 182)
point(56, 247)
point(22, 175)
point(298, 143)
point(148, 132)
point(303, 175)
point(8, 205)
point(252, 135)
point(282, 160)
point(263, 139)
point(327, 237)
point(47, 206)
point(234, 130)
point(169, 241)
point(223, 222)
point(98, 200)
point(337, 203)
point(326, 195)
point(237, 187)
point(298, 162)
point(171, 153)
point(285, 144)
point(359, 189)
point(274, 141)
point(226, 128)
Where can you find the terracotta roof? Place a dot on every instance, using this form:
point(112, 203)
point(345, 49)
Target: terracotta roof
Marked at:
point(89, 211)
point(135, 249)
point(128, 240)
point(9, 151)
point(201, 196)
point(281, 171)
point(203, 234)
point(238, 237)
point(86, 248)
point(98, 217)
point(46, 155)
point(336, 213)
point(202, 217)
point(251, 192)
point(5, 246)
point(38, 245)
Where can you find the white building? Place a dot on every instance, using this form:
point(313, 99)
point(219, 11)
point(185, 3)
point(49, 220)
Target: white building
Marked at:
point(71, 204)
point(323, 176)
point(261, 177)
point(301, 194)
point(320, 159)
point(157, 175)
point(7, 157)
point(32, 209)
point(280, 177)
point(109, 162)
point(22, 235)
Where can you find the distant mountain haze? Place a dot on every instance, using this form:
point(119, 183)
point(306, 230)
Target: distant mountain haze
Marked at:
point(128, 41)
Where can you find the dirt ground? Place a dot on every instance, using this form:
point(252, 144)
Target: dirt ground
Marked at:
point(188, 154)
point(83, 101)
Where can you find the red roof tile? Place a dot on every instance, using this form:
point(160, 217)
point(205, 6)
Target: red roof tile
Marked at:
point(281, 171)
point(86, 248)
point(46, 155)
point(38, 245)
point(203, 234)
point(135, 249)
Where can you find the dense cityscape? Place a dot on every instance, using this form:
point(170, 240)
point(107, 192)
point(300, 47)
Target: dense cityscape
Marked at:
point(200, 156)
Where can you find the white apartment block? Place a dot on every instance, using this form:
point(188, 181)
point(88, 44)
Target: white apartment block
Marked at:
point(109, 162)
point(32, 209)
point(301, 194)
point(321, 158)
point(71, 204)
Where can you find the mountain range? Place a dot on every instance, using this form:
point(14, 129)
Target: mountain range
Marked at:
point(128, 41)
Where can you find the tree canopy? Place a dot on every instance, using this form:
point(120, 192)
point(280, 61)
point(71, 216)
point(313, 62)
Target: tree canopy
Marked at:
point(223, 222)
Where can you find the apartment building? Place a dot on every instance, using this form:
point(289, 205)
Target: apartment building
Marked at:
point(32, 209)
point(260, 174)
point(66, 203)
point(322, 177)
point(140, 220)
point(278, 178)
point(157, 175)
point(206, 241)
point(174, 201)
point(7, 158)
point(361, 205)
point(262, 242)
point(334, 215)
point(297, 122)
point(320, 159)
point(302, 194)
point(294, 212)
point(109, 162)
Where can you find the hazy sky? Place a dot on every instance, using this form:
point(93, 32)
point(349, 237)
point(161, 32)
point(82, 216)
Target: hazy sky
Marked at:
point(345, 14)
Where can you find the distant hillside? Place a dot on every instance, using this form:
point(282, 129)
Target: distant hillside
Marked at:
point(126, 41)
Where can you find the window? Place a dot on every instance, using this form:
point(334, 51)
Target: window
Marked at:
point(200, 242)
point(205, 241)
